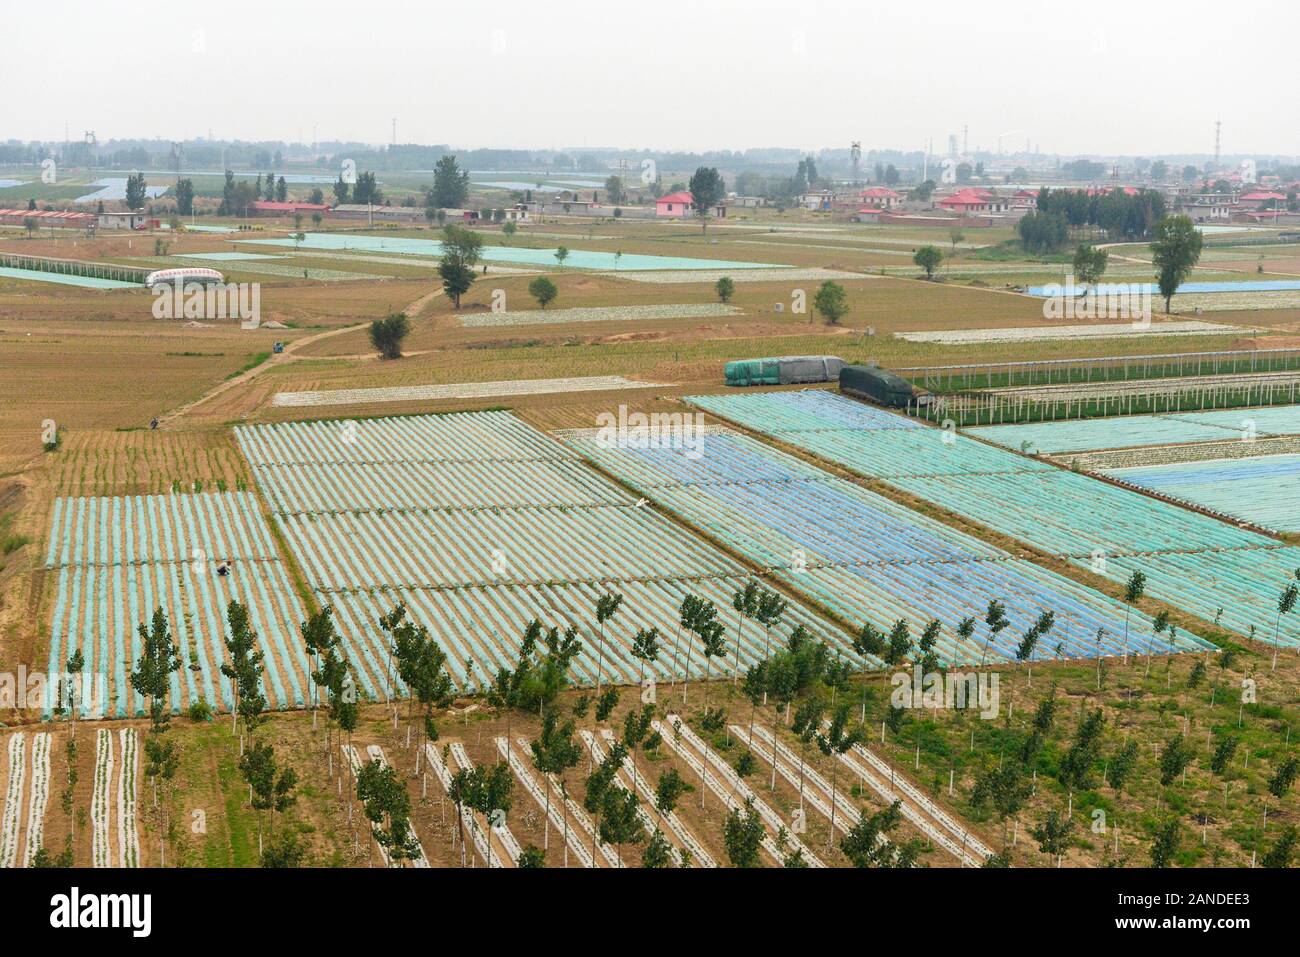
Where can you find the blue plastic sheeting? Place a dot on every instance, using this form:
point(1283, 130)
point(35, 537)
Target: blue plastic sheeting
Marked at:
point(862, 555)
point(1131, 431)
point(1192, 561)
point(1244, 285)
point(65, 279)
point(120, 558)
point(1264, 491)
point(577, 258)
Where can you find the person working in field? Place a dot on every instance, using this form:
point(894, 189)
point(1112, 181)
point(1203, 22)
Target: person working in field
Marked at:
point(223, 567)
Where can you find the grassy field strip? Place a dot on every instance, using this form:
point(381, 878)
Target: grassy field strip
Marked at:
point(101, 854)
point(505, 837)
point(699, 856)
point(843, 248)
point(1113, 330)
point(376, 753)
point(39, 797)
point(778, 274)
point(353, 758)
point(626, 785)
point(718, 787)
point(858, 553)
point(10, 825)
point(737, 784)
point(555, 811)
point(527, 317)
point(485, 850)
point(461, 390)
point(120, 558)
point(128, 839)
point(1213, 569)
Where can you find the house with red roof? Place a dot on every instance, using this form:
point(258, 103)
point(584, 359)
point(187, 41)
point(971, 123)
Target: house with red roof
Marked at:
point(968, 202)
point(1262, 199)
point(881, 197)
point(682, 204)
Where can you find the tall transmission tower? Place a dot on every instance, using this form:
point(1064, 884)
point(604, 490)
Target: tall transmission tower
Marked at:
point(855, 155)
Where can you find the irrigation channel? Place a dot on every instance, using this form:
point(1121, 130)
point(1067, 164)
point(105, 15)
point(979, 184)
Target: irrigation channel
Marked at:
point(1213, 569)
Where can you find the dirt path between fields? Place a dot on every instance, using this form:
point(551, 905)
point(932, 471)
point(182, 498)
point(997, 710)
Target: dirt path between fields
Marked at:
point(413, 310)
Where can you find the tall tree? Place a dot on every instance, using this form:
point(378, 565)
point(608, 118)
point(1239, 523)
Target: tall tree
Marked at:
point(450, 184)
point(707, 191)
point(159, 658)
point(1175, 252)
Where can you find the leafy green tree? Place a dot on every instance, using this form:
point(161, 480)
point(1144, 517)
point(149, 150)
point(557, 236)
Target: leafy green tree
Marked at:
point(543, 290)
point(554, 753)
point(1089, 263)
point(1176, 755)
point(742, 835)
point(900, 643)
point(1053, 835)
point(387, 334)
point(928, 258)
point(283, 850)
point(531, 856)
point(995, 618)
point(725, 288)
point(658, 852)
point(387, 806)
point(645, 648)
point(1075, 768)
point(1165, 846)
point(807, 723)
point(1005, 788)
point(136, 191)
point(707, 191)
point(184, 190)
point(461, 250)
point(1280, 854)
point(1284, 777)
point(561, 254)
point(832, 302)
point(450, 184)
point(1122, 765)
point(159, 658)
point(669, 789)
point(865, 844)
point(1175, 252)
point(836, 740)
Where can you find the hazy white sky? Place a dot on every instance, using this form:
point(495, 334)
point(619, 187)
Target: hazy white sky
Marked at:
point(1108, 76)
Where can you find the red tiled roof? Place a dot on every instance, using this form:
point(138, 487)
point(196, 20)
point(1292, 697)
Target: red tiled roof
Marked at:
point(676, 198)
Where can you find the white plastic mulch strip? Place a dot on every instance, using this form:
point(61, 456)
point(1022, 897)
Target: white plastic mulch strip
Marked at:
point(128, 841)
point(13, 800)
point(553, 809)
point(461, 390)
point(676, 728)
point(40, 796)
point(1115, 330)
point(101, 851)
point(529, 317)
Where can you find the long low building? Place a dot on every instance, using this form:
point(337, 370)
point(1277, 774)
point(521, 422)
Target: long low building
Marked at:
point(46, 219)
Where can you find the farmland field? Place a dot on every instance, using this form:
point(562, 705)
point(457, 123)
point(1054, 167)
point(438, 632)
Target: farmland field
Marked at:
point(114, 560)
point(458, 516)
point(1220, 573)
point(864, 556)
